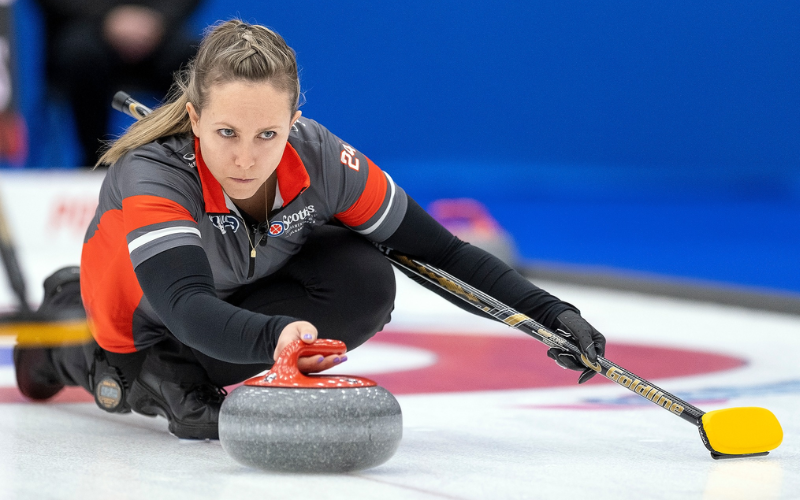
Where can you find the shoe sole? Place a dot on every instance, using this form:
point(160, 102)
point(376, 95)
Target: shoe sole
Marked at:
point(144, 401)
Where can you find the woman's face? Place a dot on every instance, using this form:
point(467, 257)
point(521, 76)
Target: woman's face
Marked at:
point(243, 131)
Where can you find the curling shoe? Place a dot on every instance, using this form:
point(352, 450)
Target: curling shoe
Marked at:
point(192, 409)
point(62, 291)
point(37, 378)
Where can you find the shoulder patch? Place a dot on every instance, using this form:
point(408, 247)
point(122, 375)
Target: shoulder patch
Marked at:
point(223, 222)
point(190, 159)
point(297, 124)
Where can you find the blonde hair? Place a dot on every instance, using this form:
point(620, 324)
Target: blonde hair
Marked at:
point(231, 50)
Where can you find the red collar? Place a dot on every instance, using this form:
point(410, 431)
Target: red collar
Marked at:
point(293, 179)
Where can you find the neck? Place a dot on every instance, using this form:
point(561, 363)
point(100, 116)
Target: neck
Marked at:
point(260, 204)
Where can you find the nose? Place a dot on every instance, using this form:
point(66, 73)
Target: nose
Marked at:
point(244, 155)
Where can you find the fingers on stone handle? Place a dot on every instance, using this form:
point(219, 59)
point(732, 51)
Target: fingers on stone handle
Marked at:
point(307, 332)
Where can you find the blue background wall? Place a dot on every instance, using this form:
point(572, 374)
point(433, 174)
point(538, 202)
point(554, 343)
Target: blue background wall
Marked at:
point(647, 136)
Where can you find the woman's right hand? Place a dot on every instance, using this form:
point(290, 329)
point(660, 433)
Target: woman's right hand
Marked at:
point(305, 331)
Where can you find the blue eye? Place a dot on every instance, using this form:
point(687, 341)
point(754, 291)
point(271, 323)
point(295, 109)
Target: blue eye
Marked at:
point(267, 135)
point(226, 132)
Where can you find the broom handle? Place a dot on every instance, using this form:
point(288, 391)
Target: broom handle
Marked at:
point(9, 256)
point(505, 314)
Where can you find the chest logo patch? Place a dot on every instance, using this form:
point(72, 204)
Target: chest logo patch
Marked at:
point(292, 223)
point(276, 228)
point(223, 222)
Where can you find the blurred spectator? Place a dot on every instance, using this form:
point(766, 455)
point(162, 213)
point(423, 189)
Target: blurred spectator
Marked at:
point(96, 47)
point(13, 132)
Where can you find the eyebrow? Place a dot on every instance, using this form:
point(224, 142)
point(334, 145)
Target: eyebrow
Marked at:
point(228, 125)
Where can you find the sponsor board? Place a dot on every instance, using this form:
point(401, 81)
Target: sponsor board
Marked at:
point(47, 212)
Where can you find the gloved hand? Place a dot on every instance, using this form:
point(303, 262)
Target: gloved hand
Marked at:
point(591, 342)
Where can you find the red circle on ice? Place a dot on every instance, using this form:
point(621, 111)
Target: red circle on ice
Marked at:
point(491, 363)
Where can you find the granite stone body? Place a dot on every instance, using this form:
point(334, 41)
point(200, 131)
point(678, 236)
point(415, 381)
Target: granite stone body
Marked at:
point(310, 430)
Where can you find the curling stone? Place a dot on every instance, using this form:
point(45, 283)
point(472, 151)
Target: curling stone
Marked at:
point(290, 422)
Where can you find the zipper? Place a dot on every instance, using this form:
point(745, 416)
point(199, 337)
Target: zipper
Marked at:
point(261, 229)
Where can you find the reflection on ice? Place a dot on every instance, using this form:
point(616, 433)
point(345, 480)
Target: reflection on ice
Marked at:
point(744, 479)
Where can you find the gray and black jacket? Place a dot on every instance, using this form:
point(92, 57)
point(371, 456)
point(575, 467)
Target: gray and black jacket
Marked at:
point(160, 200)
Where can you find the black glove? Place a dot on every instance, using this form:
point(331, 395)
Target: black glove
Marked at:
point(591, 342)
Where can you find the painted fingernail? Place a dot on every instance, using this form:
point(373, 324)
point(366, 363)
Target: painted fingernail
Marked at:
point(344, 358)
point(321, 359)
point(336, 360)
point(307, 336)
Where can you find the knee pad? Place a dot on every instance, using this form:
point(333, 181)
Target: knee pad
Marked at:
point(108, 385)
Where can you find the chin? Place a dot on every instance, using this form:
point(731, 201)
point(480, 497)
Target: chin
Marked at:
point(241, 192)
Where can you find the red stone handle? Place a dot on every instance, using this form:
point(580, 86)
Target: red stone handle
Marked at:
point(286, 365)
point(284, 372)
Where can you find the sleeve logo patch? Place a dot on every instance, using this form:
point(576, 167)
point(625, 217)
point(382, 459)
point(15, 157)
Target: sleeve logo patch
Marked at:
point(222, 222)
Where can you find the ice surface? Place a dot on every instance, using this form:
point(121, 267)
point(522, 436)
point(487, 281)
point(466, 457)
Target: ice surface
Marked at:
point(462, 445)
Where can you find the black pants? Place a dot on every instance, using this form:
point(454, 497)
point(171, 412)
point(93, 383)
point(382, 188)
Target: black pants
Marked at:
point(338, 282)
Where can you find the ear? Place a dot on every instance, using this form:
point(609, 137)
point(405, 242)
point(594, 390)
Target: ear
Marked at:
point(296, 116)
point(194, 118)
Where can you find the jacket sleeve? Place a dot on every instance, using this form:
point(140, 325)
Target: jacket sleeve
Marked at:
point(179, 286)
point(420, 236)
